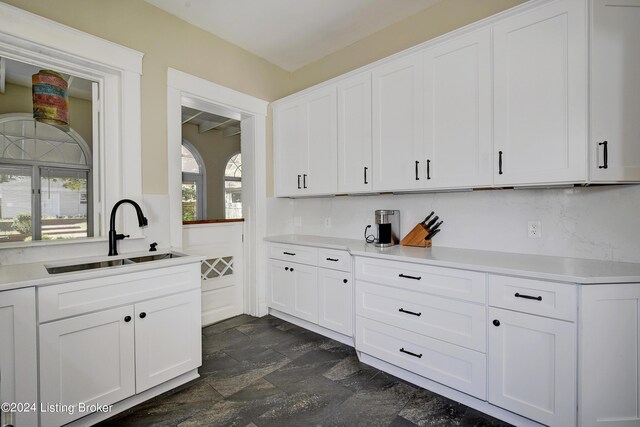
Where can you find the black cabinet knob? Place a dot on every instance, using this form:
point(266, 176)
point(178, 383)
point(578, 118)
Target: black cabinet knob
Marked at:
point(344, 281)
point(291, 269)
point(496, 322)
point(286, 268)
point(143, 315)
point(127, 319)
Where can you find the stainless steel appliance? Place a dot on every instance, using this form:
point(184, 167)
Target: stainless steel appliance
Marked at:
point(388, 223)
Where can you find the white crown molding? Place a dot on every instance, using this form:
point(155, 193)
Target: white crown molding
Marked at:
point(18, 26)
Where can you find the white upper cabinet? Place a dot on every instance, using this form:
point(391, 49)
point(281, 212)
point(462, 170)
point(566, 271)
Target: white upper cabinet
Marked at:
point(458, 112)
point(354, 134)
point(540, 83)
point(398, 157)
point(615, 91)
point(305, 145)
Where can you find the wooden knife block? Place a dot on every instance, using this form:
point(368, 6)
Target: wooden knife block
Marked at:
point(416, 237)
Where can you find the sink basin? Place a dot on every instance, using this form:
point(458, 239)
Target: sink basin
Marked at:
point(109, 263)
point(158, 257)
point(87, 266)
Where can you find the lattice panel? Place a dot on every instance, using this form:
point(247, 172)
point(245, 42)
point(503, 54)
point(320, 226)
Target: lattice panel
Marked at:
point(215, 268)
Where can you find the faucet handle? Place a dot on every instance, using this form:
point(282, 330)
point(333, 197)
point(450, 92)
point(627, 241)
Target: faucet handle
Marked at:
point(121, 236)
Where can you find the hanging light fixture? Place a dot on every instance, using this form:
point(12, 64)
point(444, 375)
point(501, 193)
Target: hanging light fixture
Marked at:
point(50, 98)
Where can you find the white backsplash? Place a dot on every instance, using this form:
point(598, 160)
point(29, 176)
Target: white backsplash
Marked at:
point(594, 222)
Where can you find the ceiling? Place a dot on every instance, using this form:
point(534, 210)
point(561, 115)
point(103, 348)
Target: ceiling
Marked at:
point(19, 73)
point(292, 33)
point(208, 121)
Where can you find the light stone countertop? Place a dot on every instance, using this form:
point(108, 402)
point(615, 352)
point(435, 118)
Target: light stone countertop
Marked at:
point(35, 274)
point(572, 270)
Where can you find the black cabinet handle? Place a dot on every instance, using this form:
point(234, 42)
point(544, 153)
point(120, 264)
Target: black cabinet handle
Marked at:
point(410, 353)
point(428, 169)
point(127, 319)
point(517, 295)
point(417, 176)
point(402, 310)
point(409, 277)
point(291, 269)
point(304, 181)
point(605, 154)
point(333, 259)
point(286, 269)
point(345, 281)
point(496, 322)
point(365, 174)
point(289, 253)
point(499, 162)
point(143, 315)
point(299, 187)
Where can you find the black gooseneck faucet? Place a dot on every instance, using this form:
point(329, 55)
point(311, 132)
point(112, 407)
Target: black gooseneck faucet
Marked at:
point(113, 236)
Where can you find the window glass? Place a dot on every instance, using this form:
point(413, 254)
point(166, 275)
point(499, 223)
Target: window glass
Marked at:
point(15, 203)
point(233, 187)
point(63, 203)
point(189, 201)
point(189, 163)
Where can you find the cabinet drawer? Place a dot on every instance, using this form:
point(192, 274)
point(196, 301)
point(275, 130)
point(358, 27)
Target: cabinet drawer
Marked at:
point(334, 259)
point(84, 296)
point(448, 282)
point(456, 322)
point(453, 366)
point(550, 299)
point(294, 253)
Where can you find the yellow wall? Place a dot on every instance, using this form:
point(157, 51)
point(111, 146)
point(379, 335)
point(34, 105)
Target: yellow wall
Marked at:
point(441, 18)
point(216, 150)
point(166, 42)
point(18, 99)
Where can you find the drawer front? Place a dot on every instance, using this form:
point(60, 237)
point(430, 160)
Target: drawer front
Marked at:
point(336, 260)
point(447, 282)
point(294, 253)
point(550, 299)
point(74, 298)
point(448, 364)
point(456, 322)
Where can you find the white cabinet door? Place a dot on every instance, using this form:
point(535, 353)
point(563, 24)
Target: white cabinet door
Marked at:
point(540, 105)
point(280, 286)
point(458, 113)
point(321, 174)
point(532, 366)
point(398, 160)
point(168, 338)
point(87, 359)
point(354, 134)
point(290, 146)
point(335, 295)
point(615, 91)
point(18, 355)
point(610, 357)
point(304, 301)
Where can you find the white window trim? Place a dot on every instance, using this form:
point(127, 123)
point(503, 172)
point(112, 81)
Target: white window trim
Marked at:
point(199, 178)
point(30, 38)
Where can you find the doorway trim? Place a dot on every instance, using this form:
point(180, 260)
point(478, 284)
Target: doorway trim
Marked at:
point(195, 92)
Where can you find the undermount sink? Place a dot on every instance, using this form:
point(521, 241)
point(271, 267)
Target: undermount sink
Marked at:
point(109, 263)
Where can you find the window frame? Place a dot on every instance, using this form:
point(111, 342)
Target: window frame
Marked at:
point(199, 178)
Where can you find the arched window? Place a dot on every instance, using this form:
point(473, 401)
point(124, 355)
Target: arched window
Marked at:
point(194, 203)
point(45, 181)
point(233, 187)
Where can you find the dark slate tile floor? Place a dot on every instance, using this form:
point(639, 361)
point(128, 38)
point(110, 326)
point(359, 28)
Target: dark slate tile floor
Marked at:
point(267, 372)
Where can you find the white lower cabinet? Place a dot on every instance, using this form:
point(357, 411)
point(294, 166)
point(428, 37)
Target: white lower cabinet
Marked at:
point(18, 356)
point(305, 292)
point(335, 295)
point(532, 366)
point(88, 359)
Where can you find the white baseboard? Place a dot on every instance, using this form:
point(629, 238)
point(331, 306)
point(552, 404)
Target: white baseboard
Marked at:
point(134, 400)
point(448, 392)
point(344, 339)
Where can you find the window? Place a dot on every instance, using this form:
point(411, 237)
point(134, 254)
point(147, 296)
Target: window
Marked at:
point(45, 175)
point(193, 184)
point(233, 187)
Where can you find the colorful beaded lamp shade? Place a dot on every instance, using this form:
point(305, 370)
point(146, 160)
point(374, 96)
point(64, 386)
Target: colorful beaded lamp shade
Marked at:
point(50, 98)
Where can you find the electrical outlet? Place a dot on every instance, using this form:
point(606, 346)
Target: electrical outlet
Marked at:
point(297, 221)
point(534, 229)
point(327, 222)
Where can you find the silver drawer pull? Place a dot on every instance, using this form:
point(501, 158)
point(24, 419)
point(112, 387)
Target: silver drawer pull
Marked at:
point(402, 310)
point(517, 295)
point(410, 353)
